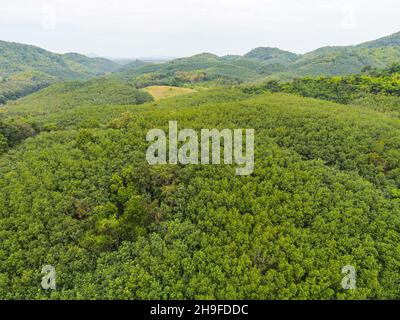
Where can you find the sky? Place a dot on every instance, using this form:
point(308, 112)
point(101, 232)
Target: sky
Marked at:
point(177, 28)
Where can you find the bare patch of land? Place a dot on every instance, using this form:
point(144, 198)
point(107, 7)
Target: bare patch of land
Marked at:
point(162, 92)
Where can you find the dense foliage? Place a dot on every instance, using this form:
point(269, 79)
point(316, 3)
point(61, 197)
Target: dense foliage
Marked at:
point(63, 96)
point(377, 89)
point(272, 55)
point(12, 132)
point(76, 191)
point(22, 83)
point(324, 194)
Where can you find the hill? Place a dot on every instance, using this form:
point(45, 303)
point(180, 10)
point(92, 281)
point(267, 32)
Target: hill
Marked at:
point(344, 60)
point(272, 55)
point(137, 64)
point(349, 59)
point(200, 68)
point(265, 62)
point(324, 194)
point(389, 41)
point(376, 89)
point(61, 97)
point(77, 193)
point(25, 69)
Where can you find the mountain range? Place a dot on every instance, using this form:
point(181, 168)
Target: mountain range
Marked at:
point(25, 69)
point(265, 62)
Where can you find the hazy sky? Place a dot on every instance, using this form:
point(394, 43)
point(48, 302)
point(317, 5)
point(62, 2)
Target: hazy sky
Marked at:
point(151, 28)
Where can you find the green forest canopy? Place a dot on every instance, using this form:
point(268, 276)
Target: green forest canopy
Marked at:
point(324, 194)
point(77, 193)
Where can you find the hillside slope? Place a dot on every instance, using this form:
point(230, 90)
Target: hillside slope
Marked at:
point(200, 68)
point(60, 97)
point(265, 62)
point(25, 69)
point(324, 194)
point(379, 53)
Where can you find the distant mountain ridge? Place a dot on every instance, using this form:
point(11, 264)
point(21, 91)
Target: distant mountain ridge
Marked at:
point(25, 69)
point(344, 60)
point(266, 62)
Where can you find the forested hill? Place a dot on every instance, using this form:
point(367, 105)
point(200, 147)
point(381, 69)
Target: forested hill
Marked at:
point(266, 62)
point(389, 41)
point(344, 60)
point(325, 193)
point(272, 55)
point(77, 193)
point(25, 69)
